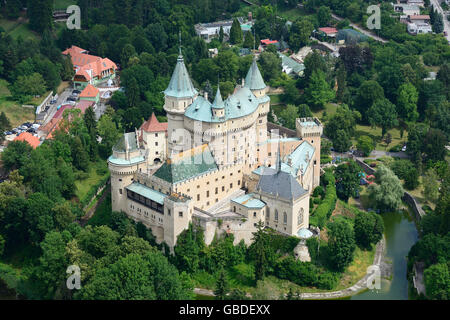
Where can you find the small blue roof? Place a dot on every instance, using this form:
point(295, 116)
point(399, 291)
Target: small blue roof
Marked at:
point(254, 80)
point(248, 201)
point(218, 102)
point(147, 192)
point(180, 85)
point(304, 233)
point(298, 157)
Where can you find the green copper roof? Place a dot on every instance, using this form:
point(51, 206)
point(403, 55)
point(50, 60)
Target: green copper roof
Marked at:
point(218, 102)
point(238, 105)
point(249, 201)
point(254, 80)
point(187, 168)
point(147, 192)
point(125, 162)
point(180, 85)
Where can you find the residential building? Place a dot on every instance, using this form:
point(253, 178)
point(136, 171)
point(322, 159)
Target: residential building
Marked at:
point(33, 141)
point(207, 31)
point(407, 9)
point(290, 66)
point(90, 93)
point(90, 69)
point(419, 18)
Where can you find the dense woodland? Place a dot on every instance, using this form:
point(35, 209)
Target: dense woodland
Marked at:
point(370, 84)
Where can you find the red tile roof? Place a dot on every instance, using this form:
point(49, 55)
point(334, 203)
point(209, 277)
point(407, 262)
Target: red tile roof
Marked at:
point(89, 92)
point(84, 62)
point(328, 30)
point(84, 104)
point(153, 125)
point(420, 17)
point(59, 113)
point(268, 41)
point(28, 137)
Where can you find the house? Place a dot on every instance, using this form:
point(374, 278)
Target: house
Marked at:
point(419, 28)
point(266, 42)
point(207, 31)
point(328, 32)
point(89, 69)
point(33, 141)
point(83, 105)
point(290, 66)
point(90, 93)
point(419, 18)
point(407, 9)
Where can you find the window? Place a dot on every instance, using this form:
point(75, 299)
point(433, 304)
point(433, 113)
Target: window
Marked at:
point(207, 194)
point(239, 182)
point(223, 188)
point(300, 216)
point(120, 191)
point(180, 214)
point(198, 197)
point(254, 214)
point(156, 135)
point(156, 143)
point(284, 218)
point(276, 215)
point(217, 190)
point(268, 213)
point(168, 212)
point(231, 186)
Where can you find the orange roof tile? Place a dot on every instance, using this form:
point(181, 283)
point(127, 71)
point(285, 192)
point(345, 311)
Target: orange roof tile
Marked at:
point(89, 92)
point(28, 137)
point(153, 125)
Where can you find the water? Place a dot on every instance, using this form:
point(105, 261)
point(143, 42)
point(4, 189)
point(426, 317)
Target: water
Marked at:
point(401, 234)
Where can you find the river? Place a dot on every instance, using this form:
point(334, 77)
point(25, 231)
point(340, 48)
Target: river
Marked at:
point(401, 234)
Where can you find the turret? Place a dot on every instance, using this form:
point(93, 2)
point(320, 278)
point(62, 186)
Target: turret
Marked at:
point(254, 81)
point(218, 107)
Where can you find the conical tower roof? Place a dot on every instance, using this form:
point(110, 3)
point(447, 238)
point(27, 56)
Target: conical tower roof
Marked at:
point(180, 85)
point(254, 80)
point(218, 101)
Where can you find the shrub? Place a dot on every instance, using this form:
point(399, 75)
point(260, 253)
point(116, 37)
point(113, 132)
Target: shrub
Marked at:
point(327, 280)
point(326, 208)
point(319, 191)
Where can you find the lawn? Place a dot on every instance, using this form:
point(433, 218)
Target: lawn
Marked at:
point(292, 14)
point(14, 112)
point(375, 134)
point(63, 4)
point(19, 27)
point(330, 109)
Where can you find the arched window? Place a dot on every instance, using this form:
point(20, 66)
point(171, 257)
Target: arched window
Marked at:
point(276, 215)
point(268, 213)
point(300, 216)
point(284, 218)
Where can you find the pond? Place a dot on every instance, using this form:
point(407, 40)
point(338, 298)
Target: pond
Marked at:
point(401, 234)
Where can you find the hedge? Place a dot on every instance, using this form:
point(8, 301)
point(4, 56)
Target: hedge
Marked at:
point(326, 208)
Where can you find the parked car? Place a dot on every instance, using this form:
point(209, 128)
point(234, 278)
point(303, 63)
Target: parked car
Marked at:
point(53, 102)
point(77, 92)
point(404, 148)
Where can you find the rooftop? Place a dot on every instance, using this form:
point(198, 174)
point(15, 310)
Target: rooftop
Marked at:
point(89, 92)
point(280, 184)
point(254, 80)
point(28, 137)
point(328, 30)
point(249, 201)
point(180, 85)
point(147, 192)
point(126, 143)
point(153, 125)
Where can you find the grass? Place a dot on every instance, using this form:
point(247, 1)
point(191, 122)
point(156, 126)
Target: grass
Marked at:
point(63, 4)
point(375, 134)
point(84, 186)
point(19, 27)
point(330, 109)
point(292, 14)
point(14, 112)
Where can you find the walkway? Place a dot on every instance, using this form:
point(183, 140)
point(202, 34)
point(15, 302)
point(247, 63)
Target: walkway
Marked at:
point(361, 285)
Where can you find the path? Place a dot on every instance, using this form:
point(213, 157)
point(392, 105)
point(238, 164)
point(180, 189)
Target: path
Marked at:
point(361, 285)
point(364, 31)
point(437, 6)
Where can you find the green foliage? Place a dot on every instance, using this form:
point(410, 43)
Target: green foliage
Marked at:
point(324, 210)
point(366, 145)
point(430, 185)
point(405, 170)
point(236, 33)
point(387, 192)
point(340, 127)
point(318, 92)
point(347, 180)
point(437, 281)
point(383, 114)
point(222, 286)
point(369, 229)
point(341, 243)
point(288, 116)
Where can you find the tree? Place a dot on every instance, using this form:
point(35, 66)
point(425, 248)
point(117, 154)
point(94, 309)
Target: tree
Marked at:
point(347, 180)
point(341, 244)
point(270, 65)
point(27, 86)
point(383, 114)
point(304, 111)
point(235, 32)
point(63, 215)
point(438, 25)
point(299, 34)
point(127, 52)
point(222, 289)
point(387, 192)
point(109, 132)
point(259, 246)
point(434, 145)
point(407, 102)
point(324, 16)
point(221, 34)
point(249, 41)
point(341, 79)
point(16, 155)
point(369, 228)
point(368, 93)
point(405, 170)
point(318, 92)
point(365, 145)
point(189, 244)
point(340, 127)
point(430, 185)
point(437, 281)
point(39, 216)
point(314, 62)
point(288, 116)
point(40, 13)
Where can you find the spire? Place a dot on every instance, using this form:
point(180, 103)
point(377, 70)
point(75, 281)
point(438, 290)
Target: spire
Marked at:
point(278, 159)
point(254, 80)
point(218, 102)
point(179, 39)
point(180, 85)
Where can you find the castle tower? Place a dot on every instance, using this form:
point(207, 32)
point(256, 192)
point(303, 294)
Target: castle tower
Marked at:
point(254, 81)
point(218, 106)
point(311, 129)
point(178, 212)
point(178, 96)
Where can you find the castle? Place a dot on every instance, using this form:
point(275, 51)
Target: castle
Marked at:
point(216, 165)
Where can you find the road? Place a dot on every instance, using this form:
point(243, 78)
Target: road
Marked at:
point(436, 4)
point(53, 108)
point(364, 31)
